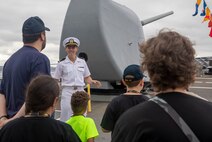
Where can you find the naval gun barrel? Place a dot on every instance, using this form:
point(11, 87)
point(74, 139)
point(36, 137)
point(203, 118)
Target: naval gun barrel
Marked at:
point(152, 19)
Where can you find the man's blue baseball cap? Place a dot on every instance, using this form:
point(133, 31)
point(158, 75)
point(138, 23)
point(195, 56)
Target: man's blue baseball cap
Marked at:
point(33, 26)
point(132, 73)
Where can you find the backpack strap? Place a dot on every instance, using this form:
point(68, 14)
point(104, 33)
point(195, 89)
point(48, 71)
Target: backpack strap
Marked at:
point(176, 117)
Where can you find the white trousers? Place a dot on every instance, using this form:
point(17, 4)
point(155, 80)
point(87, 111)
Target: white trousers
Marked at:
point(65, 104)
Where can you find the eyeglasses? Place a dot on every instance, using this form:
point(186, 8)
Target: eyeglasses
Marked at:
point(71, 46)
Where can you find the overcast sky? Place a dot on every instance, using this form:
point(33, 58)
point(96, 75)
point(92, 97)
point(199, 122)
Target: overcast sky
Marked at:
point(14, 13)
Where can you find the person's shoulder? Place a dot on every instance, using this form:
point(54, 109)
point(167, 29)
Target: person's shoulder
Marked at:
point(13, 124)
point(64, 125)
point(89, 120)
point(116, 99)
point(29, 50)
point(145, 97)
point(35, 54)
point(80, 118)
point(123, 97)
point(140, 98)
point(67, 129)
point(136, 111)
point(42, 55)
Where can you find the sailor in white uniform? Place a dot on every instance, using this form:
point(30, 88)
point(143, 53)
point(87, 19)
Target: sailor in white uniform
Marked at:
point(73, 72)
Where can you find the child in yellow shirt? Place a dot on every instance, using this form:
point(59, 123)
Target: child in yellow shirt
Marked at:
point(84, 126)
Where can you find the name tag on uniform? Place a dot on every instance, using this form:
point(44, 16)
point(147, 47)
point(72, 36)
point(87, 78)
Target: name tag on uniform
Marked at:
point(81, 69)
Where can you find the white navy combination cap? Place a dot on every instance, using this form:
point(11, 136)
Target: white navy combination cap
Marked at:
point(71, 41)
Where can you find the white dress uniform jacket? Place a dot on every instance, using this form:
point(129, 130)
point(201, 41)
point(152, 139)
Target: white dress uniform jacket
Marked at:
point(72, 79)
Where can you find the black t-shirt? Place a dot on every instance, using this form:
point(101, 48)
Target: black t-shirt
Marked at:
point(37, 129)
point(118, 106)
point(149, 122)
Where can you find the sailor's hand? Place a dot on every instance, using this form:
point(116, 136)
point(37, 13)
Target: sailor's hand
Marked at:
point(97, 83)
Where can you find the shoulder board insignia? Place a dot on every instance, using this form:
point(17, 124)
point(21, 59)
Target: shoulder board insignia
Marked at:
point(62, 59)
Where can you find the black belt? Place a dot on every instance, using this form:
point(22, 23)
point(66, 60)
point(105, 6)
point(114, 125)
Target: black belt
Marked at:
point(76, 87)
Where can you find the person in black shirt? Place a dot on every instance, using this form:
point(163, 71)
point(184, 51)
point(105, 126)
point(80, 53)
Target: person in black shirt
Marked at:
point(170, 62)
point(133, 80)
point(37, 125)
